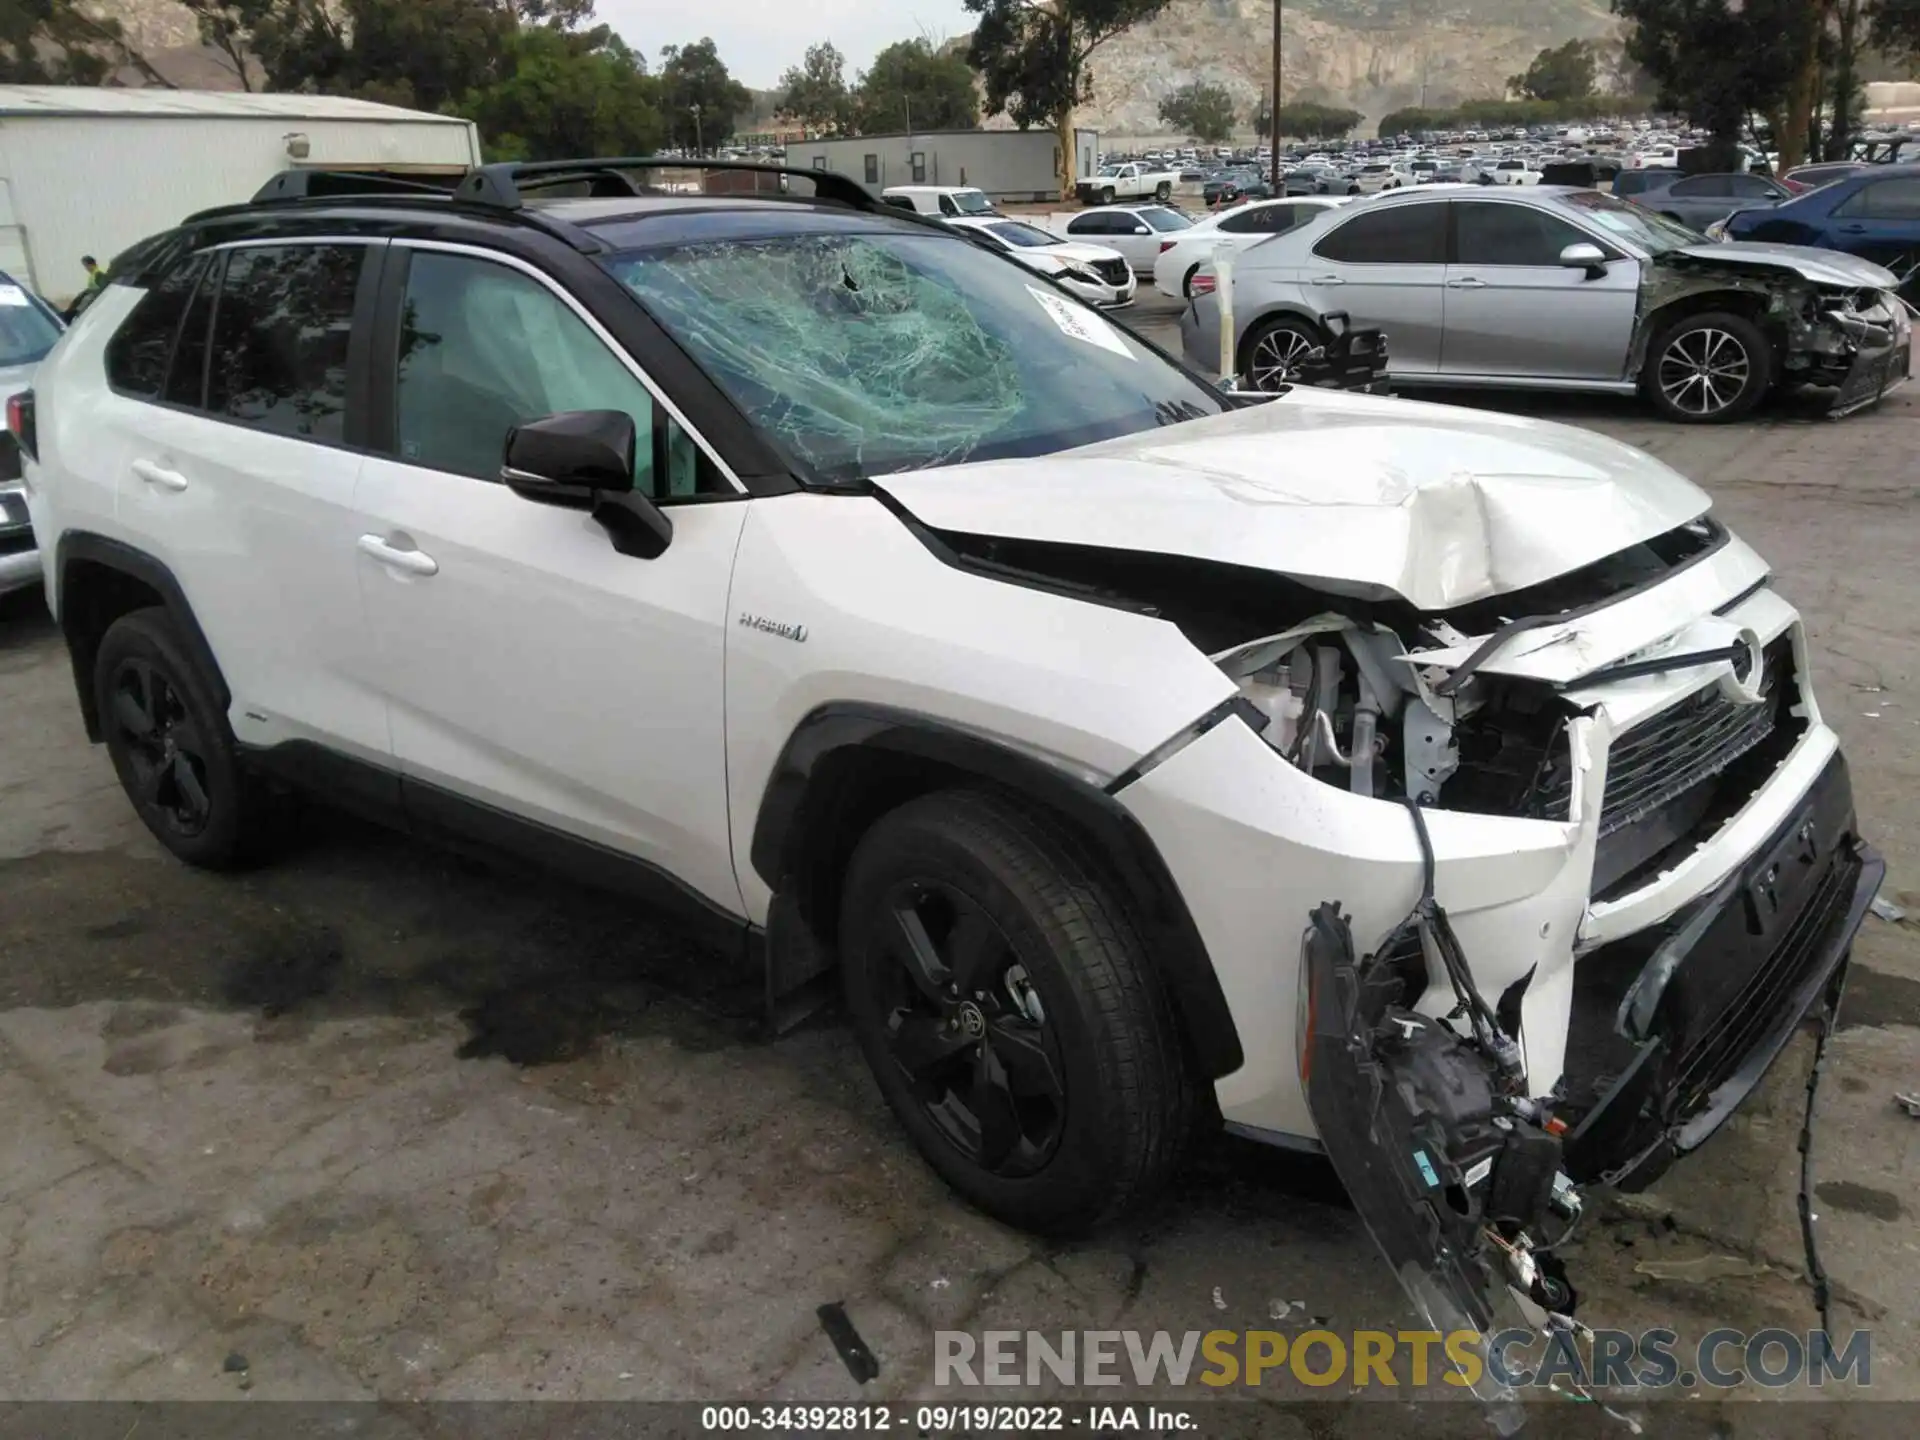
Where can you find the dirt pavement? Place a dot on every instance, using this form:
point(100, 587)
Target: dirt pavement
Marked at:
point(380, 1123)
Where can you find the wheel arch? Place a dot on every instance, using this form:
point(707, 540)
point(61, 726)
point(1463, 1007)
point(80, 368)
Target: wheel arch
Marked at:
point(846, 765)
point(1748, 304)
point(96, 581)
point(1278, 310)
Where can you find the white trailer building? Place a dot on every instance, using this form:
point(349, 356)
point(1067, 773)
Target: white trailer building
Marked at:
point(90, 171)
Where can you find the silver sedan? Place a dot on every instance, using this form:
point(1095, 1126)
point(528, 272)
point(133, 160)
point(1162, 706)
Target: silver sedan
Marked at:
point(1553, 287)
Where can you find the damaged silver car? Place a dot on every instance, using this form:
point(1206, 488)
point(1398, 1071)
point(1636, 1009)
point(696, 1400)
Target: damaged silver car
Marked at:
point(1556, 288)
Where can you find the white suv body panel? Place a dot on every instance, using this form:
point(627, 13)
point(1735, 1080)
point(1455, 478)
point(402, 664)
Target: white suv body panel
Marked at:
point(887, 624)
point(259, 530)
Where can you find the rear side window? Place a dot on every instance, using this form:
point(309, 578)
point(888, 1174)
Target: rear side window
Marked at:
point(138, 353)
point(1402, 235)
point(187, 378)
point(280, 339)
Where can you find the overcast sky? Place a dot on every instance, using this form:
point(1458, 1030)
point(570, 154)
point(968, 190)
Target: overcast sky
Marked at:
point(759, 38)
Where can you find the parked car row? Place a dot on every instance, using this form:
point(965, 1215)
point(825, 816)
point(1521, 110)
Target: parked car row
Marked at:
point(1560, 288)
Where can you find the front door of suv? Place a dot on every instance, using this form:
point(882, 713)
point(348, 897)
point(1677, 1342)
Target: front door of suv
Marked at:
point(533, 672)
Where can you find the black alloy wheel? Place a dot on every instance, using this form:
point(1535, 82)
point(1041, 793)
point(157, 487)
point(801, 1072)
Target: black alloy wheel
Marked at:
point(176, 758)
point(166, 750)
point(966, 1028)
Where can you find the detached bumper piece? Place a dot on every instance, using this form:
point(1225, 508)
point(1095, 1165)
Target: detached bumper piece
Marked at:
point(1351, 360)
point(1456, 1180)
point(1671, 1031)
point(1862, 351)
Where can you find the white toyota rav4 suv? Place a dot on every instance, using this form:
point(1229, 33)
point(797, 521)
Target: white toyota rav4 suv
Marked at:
point(1439, 789)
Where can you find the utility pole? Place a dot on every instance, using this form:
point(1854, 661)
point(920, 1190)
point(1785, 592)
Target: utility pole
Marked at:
point(1273, 116)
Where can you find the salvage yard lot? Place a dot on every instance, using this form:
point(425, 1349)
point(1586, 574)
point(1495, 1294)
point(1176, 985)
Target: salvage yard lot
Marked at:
point(385, 1123)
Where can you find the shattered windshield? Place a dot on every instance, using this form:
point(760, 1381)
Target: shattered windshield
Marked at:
point(1635, 224)
point(865, 354)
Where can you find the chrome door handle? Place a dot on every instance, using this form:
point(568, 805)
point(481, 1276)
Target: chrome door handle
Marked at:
point(159, 476)
point(1326, 280)
point(411, 562)
point(1466, 283)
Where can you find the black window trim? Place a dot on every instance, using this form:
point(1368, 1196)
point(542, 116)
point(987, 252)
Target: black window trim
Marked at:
point(353, 422)
point(384, 344)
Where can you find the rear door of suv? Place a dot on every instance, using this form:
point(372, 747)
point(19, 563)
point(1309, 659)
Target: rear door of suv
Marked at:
point(533, 672)
point(230, 425)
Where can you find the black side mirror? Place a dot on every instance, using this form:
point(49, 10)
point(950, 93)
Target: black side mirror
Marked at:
point(585, 460)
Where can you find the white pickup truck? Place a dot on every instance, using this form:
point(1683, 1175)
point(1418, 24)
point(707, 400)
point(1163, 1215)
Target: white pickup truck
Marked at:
point(1131, 181)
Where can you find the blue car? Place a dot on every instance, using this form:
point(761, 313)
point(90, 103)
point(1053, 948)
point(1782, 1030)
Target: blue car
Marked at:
point(1874, 214)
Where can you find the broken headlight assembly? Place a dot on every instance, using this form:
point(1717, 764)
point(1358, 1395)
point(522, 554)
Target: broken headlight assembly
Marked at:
point(1455, 1168)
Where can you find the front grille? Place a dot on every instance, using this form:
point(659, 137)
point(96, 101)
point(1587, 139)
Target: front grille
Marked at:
point(1677, 749)
point(1114, 272)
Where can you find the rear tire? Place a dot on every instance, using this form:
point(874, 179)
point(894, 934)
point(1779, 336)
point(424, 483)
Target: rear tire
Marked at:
point(172, 749)
point(1106, 196)
point(1032, 1054)
point(1186, 282)
point(1271, 353)
point(1708, 369)
point(1163, 192)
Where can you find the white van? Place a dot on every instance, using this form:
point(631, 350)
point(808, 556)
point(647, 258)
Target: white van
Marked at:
point(939, 199)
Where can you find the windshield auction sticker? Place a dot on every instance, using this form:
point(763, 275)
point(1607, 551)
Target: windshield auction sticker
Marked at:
point(1080, 324)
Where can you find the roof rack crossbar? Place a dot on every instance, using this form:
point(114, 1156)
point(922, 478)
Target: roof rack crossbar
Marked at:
point(502, 186)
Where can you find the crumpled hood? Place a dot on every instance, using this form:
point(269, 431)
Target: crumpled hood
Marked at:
point(1823, 267)
point(1365, 495)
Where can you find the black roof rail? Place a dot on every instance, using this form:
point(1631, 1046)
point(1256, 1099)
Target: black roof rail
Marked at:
point(504, 186)
point(310, 184)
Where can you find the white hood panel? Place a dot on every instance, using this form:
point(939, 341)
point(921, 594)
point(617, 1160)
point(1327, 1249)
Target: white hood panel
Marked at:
point(1441, 506)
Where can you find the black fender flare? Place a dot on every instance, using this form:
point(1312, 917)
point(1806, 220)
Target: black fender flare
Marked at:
point(85, 547)
point(792, 803)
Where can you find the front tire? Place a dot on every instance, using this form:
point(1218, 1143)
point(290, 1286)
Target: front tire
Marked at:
point(1708, 369)
point(1010, 1013)
point(172, 748)
point(1271, 355)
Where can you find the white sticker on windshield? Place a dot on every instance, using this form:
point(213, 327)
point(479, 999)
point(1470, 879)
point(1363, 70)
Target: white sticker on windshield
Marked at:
point(13, 295)
point(1080, 324)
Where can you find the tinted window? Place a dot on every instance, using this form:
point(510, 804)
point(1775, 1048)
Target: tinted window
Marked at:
point(1884, 200)
point(484, 348)
point(1401, 235)
point(1165, 220)
point(1752, 187)
point(1266, 220)
point(138, 353)
point(1510, 235)
point(187, 378)
point(280, 338)
point(1091, 225)
point(1714, 186)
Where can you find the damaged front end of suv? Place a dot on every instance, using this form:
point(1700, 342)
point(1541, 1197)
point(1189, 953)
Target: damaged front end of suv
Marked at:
point(1519, 843)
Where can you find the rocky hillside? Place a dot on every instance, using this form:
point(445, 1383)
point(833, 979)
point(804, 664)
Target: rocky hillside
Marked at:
point(1372, 55)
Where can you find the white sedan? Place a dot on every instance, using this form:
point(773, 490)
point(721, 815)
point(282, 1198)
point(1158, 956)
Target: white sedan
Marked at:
point(1230, 231)
point(1093, 272)
point(1136, 231)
